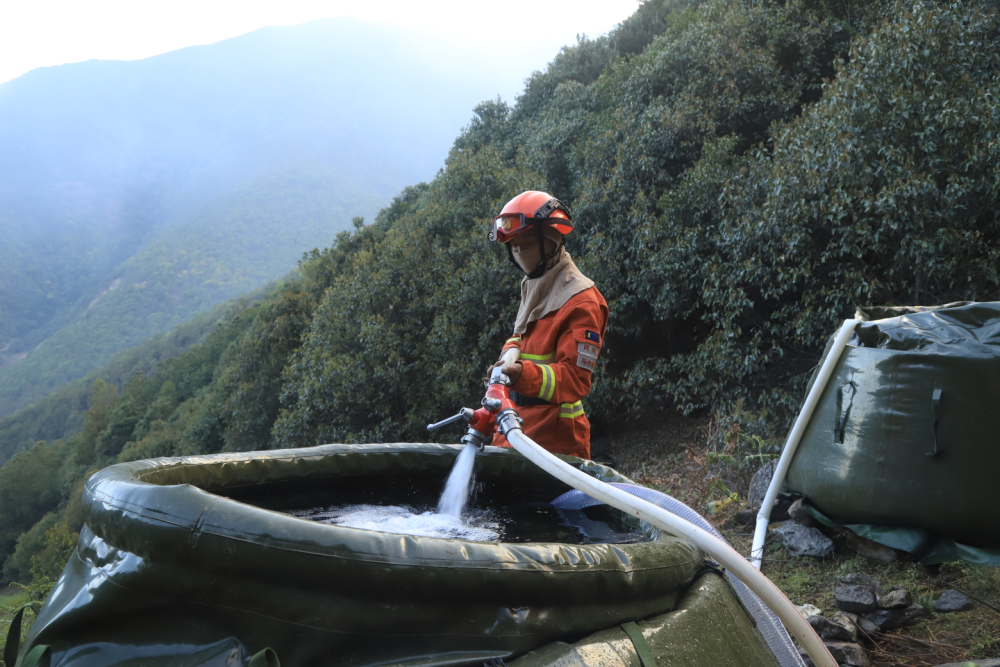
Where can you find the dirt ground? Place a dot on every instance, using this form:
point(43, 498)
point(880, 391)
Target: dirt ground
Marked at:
point(665, 451)
point(670, 453)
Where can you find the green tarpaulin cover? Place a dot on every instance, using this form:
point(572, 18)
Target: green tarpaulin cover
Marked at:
point(905, 436)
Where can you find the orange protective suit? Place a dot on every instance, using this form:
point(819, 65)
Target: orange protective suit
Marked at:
point(558, 354)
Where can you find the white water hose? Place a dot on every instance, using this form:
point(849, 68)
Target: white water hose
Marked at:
point(792, 443)
point(724, 554)
point(673, 524)
point(510, 356)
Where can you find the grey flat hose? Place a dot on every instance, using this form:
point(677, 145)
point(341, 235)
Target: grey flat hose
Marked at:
point(768, 623)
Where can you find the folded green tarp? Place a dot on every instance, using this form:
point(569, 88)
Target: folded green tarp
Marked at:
point(927, 547)
point(172, 568)
point(907, 432)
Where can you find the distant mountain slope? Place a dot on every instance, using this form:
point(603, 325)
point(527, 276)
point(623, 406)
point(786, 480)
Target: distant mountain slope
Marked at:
point(102, 160)
point(226, 249)
point(60, 414)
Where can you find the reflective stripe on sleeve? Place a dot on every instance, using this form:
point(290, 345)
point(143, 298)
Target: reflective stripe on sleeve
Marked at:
point(516, 340)
point(540, 358)
point(548, 383)
point(571, 410)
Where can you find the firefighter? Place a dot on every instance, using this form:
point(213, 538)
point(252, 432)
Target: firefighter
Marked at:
point(560, 325)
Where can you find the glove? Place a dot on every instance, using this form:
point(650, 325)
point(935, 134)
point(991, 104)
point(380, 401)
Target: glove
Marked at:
point(511, 370)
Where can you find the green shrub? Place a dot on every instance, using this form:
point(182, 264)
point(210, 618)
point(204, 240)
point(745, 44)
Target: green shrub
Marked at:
point(885, 191)
point(17, 567)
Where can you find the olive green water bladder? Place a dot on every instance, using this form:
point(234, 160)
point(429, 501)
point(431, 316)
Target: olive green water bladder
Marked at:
point(180, 564)
point(707, 627)
point(906, 435)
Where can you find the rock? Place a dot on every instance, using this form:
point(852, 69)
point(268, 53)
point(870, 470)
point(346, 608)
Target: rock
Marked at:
point(758, 489)
point(798, 514)
point(869, 548)
point(829, 630)
point(746, 517)
point(861, 579)
point(859, 626)
point(808, 610)
point(855, 599)
point(890, 619)
point(952, 601)
point(759, 483)
point(855, 594)
point(802, 541)
point(897, 598)
point(850, 628)
point(866, 627)
point(846, 653)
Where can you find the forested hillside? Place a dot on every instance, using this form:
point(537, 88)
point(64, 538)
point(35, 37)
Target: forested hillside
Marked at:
point(742, 176)
point(134, 194)
point(231, 247)
point(61, 413)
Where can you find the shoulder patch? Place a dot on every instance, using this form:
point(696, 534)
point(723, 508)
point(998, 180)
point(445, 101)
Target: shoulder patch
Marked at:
point(592, 336)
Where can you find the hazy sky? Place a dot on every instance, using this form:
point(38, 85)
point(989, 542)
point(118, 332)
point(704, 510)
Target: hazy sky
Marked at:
point(525, 33)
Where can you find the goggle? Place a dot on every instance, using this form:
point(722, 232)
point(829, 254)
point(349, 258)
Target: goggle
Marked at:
point(510, 224)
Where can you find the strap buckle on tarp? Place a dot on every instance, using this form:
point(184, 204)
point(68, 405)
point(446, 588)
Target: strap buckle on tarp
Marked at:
point(40, 656)
point(936, 411)
point(639, 642)
point(845, 399)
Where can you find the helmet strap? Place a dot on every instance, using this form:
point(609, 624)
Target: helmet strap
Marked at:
point(510, 256)
point(539, 270)
point(543, 265)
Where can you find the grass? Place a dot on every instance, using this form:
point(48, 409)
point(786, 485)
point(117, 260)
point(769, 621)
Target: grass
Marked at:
point(943, 638)
point(12, 598)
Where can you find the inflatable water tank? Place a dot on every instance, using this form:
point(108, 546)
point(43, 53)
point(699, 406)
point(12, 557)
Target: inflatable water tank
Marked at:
point(196, 561)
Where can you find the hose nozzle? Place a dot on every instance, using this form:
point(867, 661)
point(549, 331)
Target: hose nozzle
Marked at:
point(474, 437)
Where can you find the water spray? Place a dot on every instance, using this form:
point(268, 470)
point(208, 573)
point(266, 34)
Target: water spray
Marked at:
point(481, 426)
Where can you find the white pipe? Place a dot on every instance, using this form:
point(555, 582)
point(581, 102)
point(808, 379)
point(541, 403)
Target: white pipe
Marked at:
point(792, 443)
point(673, 524)
point(510, 356)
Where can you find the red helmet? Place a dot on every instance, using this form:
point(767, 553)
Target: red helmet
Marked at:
point(530, 209)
